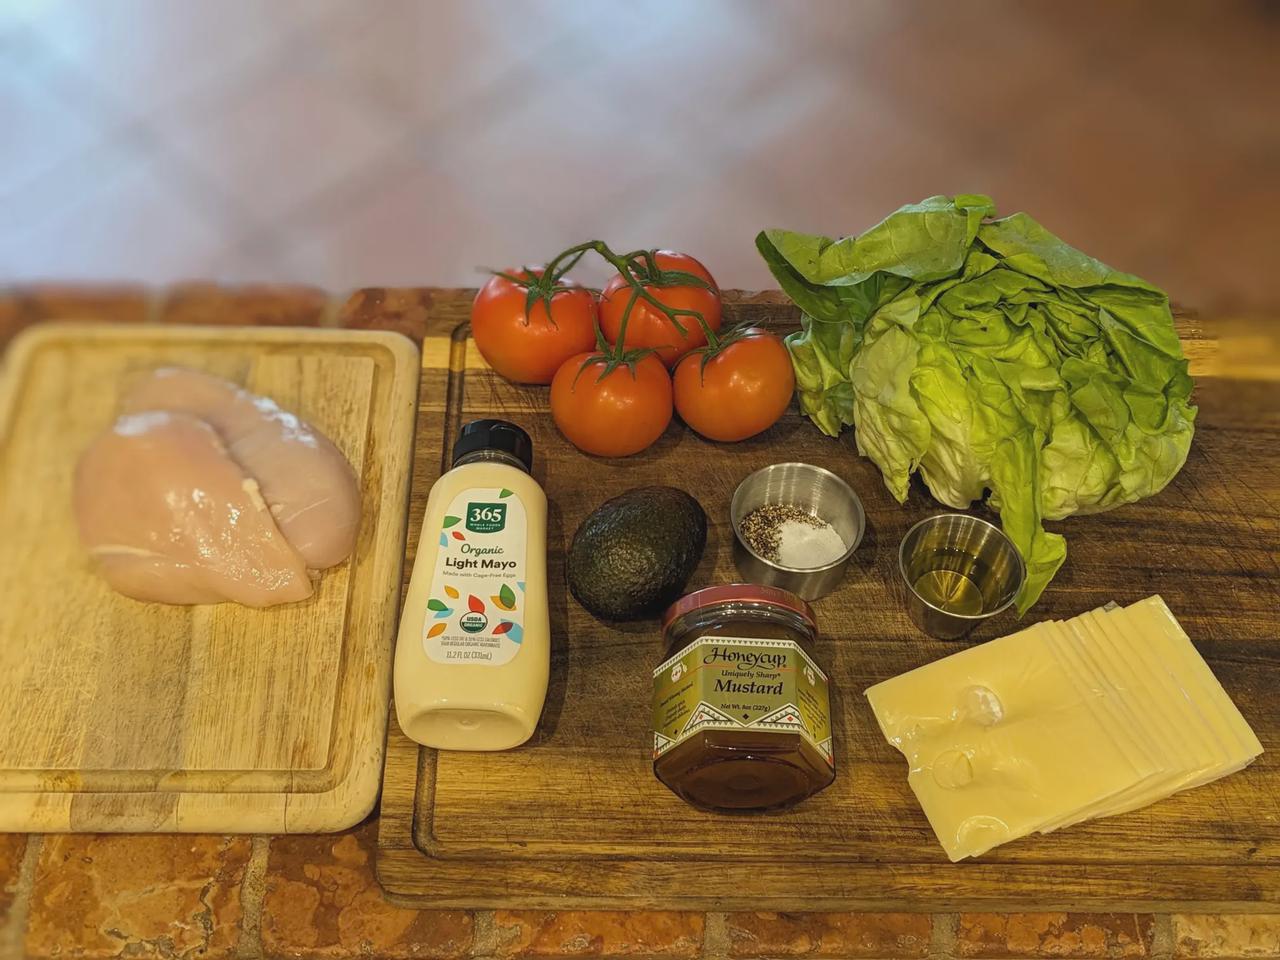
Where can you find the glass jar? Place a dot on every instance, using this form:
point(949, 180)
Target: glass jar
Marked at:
point(741, 709)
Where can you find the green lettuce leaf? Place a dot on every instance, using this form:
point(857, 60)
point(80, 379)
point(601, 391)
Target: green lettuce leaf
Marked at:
point(955, 463)
point(890, 427)
point(994, 358)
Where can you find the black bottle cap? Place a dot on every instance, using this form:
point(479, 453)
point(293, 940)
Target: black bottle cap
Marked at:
point(494, 435)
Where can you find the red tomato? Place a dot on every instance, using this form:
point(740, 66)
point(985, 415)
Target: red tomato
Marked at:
point(649, 326)
point(742, 390)
point(530, 347)
point(615, 415)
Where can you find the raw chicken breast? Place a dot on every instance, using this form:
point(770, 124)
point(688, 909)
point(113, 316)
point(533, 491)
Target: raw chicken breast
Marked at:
point(307, 482)
point(169, 516)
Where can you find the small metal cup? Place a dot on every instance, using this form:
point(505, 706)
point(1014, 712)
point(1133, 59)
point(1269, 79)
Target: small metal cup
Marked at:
point(813, 490)
point(959, 571)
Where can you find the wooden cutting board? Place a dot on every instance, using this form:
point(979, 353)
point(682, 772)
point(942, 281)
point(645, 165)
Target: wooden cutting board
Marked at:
point(576, 819)
point(120, 715)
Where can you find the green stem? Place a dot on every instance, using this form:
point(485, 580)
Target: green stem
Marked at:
point(663, 278)
point(620, 353)
point(630, 267)
point(712, 340)
point(633, 260)
point(638, 289)
point(556, 270)
point(542, 287)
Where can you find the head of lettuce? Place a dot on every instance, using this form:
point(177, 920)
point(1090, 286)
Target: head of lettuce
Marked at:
point(995, 359)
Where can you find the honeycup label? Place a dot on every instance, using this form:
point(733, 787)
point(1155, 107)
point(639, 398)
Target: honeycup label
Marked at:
point(741, 683)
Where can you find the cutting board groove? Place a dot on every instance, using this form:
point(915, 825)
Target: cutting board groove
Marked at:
point(119, 715)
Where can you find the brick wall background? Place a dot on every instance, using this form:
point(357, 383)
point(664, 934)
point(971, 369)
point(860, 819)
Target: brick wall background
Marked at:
point(316, 898)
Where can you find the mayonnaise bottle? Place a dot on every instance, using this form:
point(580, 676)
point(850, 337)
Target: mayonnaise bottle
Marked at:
point(474, 649)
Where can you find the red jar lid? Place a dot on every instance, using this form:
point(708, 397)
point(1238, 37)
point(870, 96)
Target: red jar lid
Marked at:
point(738, 593)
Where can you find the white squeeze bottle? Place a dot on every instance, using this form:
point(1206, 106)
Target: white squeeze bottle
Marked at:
point(474, 649)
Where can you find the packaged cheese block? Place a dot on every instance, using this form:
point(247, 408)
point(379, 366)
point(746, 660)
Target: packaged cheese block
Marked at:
point(1059, 723)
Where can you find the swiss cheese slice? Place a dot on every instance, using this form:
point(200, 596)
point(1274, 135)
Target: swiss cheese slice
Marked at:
point(1155, 619)
point(1120, 716)
point(1059, 723)
point(990, 733)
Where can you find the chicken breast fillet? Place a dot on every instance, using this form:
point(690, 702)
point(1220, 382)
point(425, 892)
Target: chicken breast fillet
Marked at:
point(307, 482)
point(170, 517)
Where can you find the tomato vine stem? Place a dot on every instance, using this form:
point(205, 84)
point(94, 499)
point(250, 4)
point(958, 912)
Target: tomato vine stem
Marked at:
point(639, 268)
point(537, 286)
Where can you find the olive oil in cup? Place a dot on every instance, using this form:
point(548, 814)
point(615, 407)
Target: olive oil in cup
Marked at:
point(959, 570)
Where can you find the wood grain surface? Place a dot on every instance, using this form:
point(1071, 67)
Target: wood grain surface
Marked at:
point(120, 715)
point(576, 819)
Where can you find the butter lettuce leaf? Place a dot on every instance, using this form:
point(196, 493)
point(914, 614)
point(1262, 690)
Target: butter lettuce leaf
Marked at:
point(995, 359)
point(891, 429)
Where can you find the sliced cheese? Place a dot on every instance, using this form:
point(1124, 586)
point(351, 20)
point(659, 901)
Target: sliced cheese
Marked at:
point(1154, 617)
point(990, 733)
point(1156, 706)
point(1120, 716)
point(1199, 708)
point(1165, 696)
point(1058, 723)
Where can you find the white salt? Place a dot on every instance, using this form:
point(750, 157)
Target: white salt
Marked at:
point(803, 545)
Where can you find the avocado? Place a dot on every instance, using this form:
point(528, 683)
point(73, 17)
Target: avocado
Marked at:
point(633, 555)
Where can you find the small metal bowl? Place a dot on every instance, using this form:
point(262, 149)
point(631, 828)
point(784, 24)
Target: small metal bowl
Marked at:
point(960, 558)
point(813, 490)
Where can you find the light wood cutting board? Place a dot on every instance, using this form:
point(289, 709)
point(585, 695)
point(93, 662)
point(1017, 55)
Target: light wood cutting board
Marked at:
point(117, 715)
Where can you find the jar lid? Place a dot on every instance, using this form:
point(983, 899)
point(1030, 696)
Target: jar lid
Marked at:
point(738, 593)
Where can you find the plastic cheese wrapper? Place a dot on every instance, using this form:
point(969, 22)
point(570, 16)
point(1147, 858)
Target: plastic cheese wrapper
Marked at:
point(1059, 723)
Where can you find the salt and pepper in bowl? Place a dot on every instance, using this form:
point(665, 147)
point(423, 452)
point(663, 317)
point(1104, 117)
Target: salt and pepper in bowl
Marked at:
point(795, 526)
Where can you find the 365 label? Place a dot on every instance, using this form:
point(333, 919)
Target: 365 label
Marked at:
point(475, 612)
point(486, 517)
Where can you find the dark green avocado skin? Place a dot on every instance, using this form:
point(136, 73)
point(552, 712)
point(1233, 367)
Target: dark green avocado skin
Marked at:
point(631, 558)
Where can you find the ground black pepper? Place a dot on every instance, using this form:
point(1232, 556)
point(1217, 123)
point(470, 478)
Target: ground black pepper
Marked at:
point(761, 528)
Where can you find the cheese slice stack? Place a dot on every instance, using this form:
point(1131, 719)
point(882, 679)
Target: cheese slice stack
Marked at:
point(1062, 722)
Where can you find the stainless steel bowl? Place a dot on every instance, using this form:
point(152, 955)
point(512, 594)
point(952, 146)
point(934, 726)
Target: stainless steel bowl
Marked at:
point(813, 490)
point(959, 570)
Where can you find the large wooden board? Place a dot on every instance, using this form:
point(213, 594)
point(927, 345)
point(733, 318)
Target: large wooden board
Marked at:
point(119, 715)
point(576, 818)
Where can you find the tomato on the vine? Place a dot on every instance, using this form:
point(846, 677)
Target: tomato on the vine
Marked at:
point(650, 327)
point(610, 408)
point(743, 388)
point(519, 337)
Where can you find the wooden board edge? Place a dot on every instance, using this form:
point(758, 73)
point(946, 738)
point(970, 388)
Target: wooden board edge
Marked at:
point(399, 793)
point(15, 358)
point(34, 337)
point(410, 879)
point(35, 813)
point(344, 806)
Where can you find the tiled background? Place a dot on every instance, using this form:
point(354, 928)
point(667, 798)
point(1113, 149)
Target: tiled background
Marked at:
point(357, 142)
